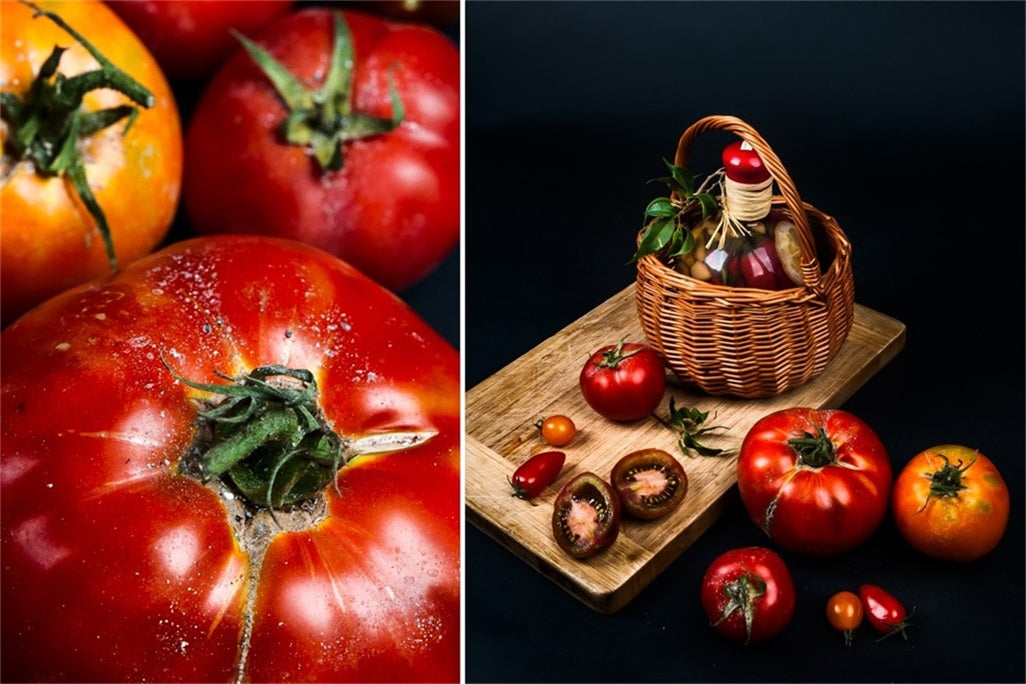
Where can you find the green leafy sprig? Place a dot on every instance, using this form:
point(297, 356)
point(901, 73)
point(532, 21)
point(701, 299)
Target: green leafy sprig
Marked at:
point(669, 230)
point(690, 424)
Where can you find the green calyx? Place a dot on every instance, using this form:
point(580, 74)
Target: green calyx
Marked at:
point(741, 596)
point(814, 450)
point(946, 483)
point(46, 125)
point(269, 439)
point(612, 357)
point(323, 120)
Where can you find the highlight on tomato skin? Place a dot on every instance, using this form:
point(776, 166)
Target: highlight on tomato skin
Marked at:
point(137, 545)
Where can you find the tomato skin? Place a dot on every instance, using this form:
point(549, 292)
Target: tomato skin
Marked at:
point(393, 210)
point(557, 430)
point(104, 542)
point(885, 613)
point(844, 613)
point(536, 473)
point(962, 525)
point(745, 570)
point(586, 496)
point(190, 39)
point(48, 240)
point(623, 382)
point(814, 510)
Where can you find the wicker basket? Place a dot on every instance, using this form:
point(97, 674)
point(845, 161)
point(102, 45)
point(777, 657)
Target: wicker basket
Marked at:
point(749, 342)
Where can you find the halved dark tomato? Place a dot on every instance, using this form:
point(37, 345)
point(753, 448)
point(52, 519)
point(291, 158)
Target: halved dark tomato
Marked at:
point(650, 482)
point(586, 516)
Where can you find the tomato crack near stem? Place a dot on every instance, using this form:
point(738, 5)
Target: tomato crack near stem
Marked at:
point(264, 436)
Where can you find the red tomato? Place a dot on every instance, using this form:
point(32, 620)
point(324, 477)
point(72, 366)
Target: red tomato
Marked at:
point(586, 516)
point(388, 203)
point(885, 613)
point(536, 473)
point(50, 240)
point(119, 545)
point(557, 430)
point(190, 39)
point(623, 382)
point(748, 594)
point(816, 481)
point(844, 613)
point(950, 502)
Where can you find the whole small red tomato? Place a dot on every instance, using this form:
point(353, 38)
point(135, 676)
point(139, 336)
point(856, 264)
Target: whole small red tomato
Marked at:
point(536, 473)
point(236, 460)
point(816, 481)
point(950, 502)
point(337, 129)
point(190, 39)
point(623, 382)
point(748, 594)
point(92, 153)
point(885, 613)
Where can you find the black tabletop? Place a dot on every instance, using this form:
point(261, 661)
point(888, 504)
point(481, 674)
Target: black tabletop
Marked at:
point(904, 121)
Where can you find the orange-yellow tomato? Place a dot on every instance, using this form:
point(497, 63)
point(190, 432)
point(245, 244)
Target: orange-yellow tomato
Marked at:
point(557, 430)
point(844, 613)
point(48, 239)
point(950, 502)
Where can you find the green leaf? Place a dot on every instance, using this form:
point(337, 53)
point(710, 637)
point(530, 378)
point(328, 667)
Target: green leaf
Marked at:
point(656, 236)
point(687, 243)
point(660, 207)
point(710, 207)
point(684, 178)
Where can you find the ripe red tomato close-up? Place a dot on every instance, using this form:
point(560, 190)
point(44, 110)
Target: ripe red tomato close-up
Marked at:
point(106, 152)
point(236, 460)
point(885, 613)
point(536, 473)
point(816, 481)
point(586, 516)
point(623, 382)
point(190, 39)
point(748, 594)
point(950, 502)
point(345, 135)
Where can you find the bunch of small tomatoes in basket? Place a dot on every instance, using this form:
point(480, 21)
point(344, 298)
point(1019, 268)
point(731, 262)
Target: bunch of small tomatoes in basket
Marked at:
point(225, 459)
point(817, 482)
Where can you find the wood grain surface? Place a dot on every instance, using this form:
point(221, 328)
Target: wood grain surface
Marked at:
point(500, 435)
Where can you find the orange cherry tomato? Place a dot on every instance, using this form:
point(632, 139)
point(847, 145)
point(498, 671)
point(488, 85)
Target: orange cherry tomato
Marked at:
point(557, 430)
point(51, 240)
point(951, 503)
point(844, 612)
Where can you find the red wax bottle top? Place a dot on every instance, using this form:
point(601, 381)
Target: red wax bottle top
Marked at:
point(742, 164)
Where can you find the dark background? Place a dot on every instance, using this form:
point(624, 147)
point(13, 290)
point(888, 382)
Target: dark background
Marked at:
point(905, 122)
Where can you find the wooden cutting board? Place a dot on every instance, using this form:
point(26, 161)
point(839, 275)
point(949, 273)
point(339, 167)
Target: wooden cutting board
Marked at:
point(500, 435)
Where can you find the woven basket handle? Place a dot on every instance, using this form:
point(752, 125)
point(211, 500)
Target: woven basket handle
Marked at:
point(811, 275)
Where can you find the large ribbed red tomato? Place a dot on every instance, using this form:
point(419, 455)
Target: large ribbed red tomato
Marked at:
point(816, 481)
point(150, 419)
point(338, 129)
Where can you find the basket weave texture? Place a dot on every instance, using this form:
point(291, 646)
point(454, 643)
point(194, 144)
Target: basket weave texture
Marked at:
point(748, 342)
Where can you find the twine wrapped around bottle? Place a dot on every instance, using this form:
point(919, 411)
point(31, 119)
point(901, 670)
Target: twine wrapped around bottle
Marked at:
point(748, 342)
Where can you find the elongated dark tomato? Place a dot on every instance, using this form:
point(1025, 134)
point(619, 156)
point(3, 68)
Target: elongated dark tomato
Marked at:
point(118, 567)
